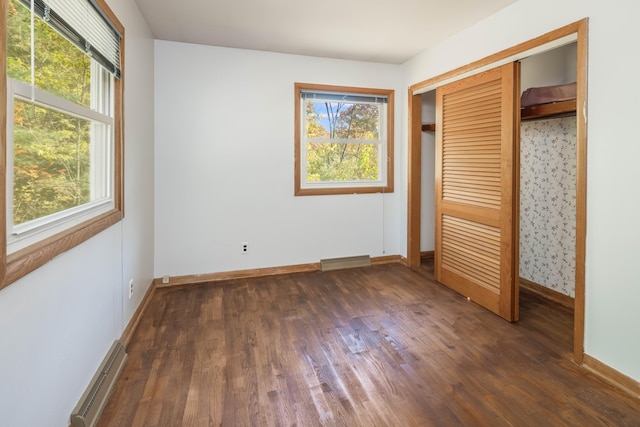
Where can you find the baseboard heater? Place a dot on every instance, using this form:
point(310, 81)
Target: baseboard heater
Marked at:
point(94, 399)
point(346, 262)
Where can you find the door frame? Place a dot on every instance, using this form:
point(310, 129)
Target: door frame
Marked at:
point(578, 32)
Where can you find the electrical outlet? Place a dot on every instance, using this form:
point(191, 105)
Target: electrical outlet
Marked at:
point(130, 288)
point(165, 280)
point(245, 247)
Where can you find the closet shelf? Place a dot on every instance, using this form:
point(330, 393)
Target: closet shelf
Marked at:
point(554, 109)
point(533, 112)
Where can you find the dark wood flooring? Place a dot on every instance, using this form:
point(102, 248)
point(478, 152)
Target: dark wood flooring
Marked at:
point(379, 346)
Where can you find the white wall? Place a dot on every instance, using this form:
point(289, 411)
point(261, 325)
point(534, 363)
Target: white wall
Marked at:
point(612, 269)
point(554, 67)
point(57, 323)
point(427, 185)
point(138, 224)
point(224, 164)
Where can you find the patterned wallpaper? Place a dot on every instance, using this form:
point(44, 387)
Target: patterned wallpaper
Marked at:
point(548, 203)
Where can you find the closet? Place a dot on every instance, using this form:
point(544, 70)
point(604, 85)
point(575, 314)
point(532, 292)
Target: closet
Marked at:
point(547, 178)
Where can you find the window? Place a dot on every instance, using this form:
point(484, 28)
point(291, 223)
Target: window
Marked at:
point(343, 140)
point(63, 127)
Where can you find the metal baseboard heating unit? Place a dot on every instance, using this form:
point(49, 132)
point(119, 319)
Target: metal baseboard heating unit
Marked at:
point(94, 399)
point(346, 262)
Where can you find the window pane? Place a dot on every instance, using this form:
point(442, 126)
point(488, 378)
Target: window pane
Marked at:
point(52, 162)
point(342, 120)
point(342, 162)
point(60, 68)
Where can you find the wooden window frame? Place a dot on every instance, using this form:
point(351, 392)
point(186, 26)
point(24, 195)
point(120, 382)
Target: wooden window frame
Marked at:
point(387, 186)
point(20, 263)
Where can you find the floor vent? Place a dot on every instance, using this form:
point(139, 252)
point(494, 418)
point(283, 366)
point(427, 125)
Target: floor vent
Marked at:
point(343, 263)
point(94, 399)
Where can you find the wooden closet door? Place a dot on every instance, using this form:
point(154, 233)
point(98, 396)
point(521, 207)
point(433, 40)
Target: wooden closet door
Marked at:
point(476, 177)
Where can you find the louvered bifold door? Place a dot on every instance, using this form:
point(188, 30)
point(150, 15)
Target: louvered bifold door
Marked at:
point(476, 142)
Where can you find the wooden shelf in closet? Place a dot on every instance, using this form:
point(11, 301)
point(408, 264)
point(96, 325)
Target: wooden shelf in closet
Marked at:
point(533, 112)
point(554, 109)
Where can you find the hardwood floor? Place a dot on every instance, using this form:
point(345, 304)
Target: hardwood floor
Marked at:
point(379, 346)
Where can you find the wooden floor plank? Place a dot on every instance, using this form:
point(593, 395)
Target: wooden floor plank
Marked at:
point(378, 346)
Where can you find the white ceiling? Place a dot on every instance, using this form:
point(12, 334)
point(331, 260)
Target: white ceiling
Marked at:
point(390, 31)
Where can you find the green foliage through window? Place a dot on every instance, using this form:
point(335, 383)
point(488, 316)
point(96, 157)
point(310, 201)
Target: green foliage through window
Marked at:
point(342, 141)
point(51, 160)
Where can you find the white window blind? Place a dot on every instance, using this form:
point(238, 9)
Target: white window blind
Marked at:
point(342, 97)
point(83, 24)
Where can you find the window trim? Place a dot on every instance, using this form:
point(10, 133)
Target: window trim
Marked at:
point(341, 188)
point(28, 259)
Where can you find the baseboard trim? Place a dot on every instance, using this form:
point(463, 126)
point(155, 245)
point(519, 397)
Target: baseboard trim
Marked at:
point(236, 274)
point(128, 332)
point(612, 376)
point(427, 255)
point(547, 293)
point(262, 272)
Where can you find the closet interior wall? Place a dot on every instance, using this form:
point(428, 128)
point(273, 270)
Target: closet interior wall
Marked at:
point(428, 160)
point(548, 180)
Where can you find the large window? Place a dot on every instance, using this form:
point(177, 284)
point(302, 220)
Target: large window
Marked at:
point(63, 145)
point(344, 140)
